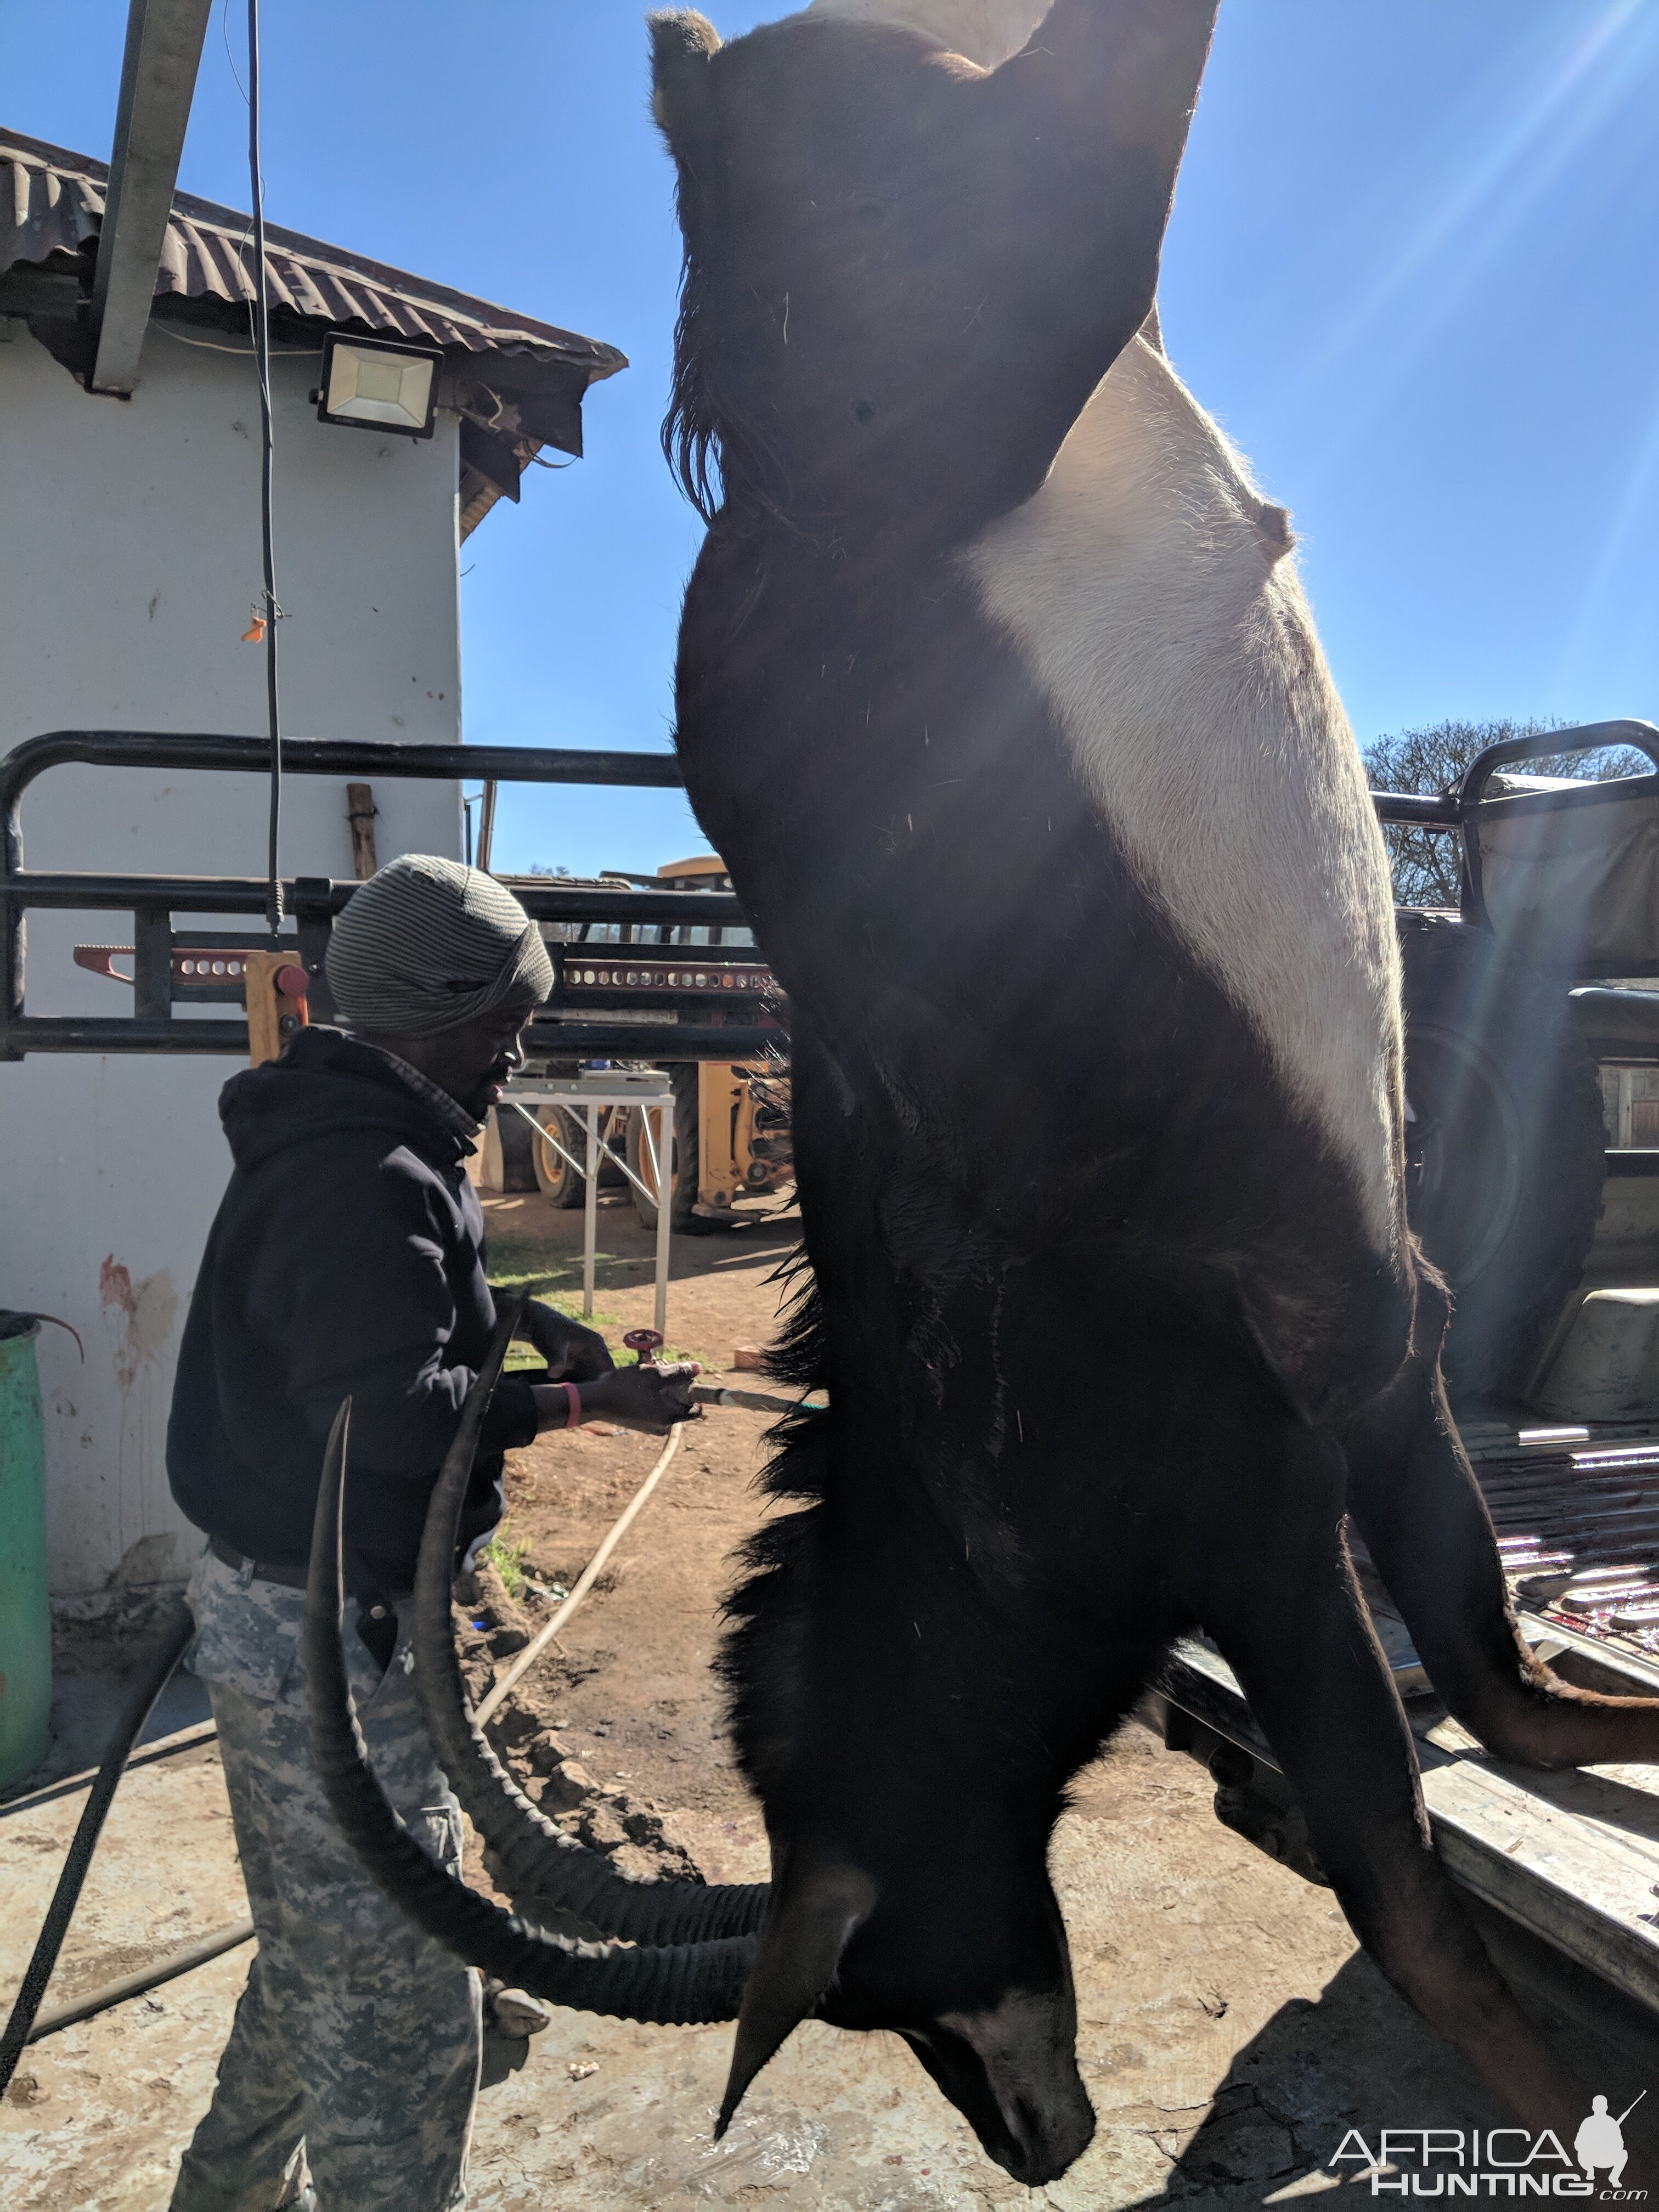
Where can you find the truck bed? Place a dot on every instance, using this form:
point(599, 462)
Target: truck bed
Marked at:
point(1567, 1863)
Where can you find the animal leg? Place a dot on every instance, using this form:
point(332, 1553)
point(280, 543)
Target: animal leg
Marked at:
point(1415, 1500)
point(1277, 1590)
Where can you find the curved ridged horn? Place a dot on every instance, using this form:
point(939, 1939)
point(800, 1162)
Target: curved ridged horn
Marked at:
point(538, 1864)
point(672, 1984)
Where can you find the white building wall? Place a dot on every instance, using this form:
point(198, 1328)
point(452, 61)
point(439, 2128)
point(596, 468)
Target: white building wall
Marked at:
point(129, 564)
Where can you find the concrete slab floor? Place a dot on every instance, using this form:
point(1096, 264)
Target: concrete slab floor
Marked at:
point(1229, 2034)
point(91, 1675)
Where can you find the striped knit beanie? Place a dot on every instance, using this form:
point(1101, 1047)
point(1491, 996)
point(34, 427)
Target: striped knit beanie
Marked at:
point(426, 943)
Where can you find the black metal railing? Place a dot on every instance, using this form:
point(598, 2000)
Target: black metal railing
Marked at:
point(572, 1025)
point(739, 1029)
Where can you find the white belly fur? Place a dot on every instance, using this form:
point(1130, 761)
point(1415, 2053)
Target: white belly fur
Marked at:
point(1180, 660)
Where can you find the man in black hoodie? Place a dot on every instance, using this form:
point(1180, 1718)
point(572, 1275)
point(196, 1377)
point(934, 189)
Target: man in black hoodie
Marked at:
point(347, 1259)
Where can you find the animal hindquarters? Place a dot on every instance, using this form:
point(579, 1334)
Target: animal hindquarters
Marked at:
point(1415, 1500)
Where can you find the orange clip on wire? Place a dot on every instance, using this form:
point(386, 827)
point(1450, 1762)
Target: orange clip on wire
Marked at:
point(255, 633)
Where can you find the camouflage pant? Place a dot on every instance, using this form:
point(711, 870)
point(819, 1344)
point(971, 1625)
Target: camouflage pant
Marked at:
point(355, 2033)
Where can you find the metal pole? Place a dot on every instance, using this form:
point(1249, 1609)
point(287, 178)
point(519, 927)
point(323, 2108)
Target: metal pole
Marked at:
point(591, 1211)
point(486, 845)
point(665, 1205)
point(267, 471)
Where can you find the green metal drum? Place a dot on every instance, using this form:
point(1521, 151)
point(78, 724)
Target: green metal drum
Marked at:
point(25, 1618)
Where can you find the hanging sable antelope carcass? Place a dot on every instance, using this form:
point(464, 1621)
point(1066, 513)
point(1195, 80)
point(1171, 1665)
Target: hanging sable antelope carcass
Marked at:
point(999, 694)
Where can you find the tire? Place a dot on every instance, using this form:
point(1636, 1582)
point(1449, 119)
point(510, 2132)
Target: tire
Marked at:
point(682, 1185)
point(610, 1169)
point(1506, 1155)
point(556, 1178)
point(519, 1151)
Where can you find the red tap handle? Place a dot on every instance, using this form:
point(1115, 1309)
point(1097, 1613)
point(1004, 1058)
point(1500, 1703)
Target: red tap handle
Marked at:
point(646, 1343)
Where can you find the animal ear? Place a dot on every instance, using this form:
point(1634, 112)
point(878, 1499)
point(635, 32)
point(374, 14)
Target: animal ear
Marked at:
point(683, 44)
point(817, 1903)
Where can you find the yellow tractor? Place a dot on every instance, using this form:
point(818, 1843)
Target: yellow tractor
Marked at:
point(730, 1121)
point(730, 1117)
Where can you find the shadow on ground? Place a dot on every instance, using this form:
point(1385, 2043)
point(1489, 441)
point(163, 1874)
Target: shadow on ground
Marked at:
point(1356, 2058)
point(536, 1247)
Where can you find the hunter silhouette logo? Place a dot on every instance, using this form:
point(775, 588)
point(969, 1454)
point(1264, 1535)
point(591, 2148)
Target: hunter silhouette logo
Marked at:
point(1496, 2161)
point(1599, 2142)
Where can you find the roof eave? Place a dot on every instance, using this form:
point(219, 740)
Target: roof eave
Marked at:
point(204, 256)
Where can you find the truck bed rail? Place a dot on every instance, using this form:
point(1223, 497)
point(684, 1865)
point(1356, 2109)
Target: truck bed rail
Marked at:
point(678, 1025)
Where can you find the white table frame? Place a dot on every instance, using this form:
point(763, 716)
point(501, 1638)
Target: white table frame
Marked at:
point(586, 1100)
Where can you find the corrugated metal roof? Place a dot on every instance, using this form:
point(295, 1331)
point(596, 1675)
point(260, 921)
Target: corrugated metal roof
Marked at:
point(51, 202)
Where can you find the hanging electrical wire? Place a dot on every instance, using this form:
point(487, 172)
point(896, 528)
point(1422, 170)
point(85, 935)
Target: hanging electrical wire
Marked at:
point(271, 611)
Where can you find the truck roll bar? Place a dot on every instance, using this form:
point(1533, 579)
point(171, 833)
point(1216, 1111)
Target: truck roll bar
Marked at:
point(744, 1025)
point(687, 1025)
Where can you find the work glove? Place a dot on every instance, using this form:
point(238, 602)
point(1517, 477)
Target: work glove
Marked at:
point(650, 1399)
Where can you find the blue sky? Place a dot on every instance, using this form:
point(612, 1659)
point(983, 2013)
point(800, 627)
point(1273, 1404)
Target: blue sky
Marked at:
point(1411, 269)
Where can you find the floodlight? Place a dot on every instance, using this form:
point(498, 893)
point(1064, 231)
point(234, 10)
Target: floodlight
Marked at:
point(371, 385)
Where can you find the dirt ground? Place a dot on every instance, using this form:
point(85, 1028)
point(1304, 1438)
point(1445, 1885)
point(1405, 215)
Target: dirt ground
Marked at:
point(1230, 2032)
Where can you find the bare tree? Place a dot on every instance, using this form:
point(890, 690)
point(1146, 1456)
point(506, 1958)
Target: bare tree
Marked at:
point(1428, 864)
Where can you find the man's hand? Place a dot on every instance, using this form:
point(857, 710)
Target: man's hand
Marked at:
point(651, 1399)
point(573, 1353)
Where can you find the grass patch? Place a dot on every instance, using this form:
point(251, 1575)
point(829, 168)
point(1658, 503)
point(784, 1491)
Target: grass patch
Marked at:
point(508, 1558)
point(522, 1262)
point(519, 1356)
point(568, 1302)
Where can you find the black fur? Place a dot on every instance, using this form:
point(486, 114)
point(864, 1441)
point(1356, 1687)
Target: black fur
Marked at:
point(1095, 1304)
